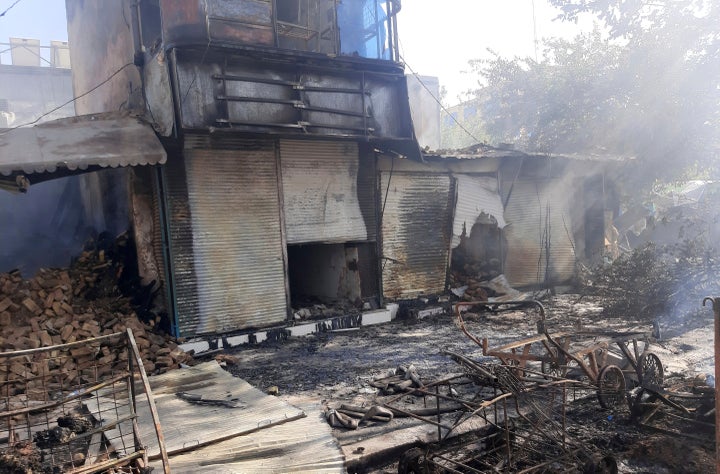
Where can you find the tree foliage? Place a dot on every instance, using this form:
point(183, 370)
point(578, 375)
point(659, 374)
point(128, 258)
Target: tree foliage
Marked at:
point(651, 90)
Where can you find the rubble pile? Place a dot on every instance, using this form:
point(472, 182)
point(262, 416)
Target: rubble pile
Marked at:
point(59, 306)
point(654, 281)
point(474, 274)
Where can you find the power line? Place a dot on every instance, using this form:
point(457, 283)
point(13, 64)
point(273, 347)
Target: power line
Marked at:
point(69, 101)
point(417, 76)
point(8, 8)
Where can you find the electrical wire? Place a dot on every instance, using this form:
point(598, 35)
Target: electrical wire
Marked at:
point(192, 83)
point(8, 8)
point(444, 109)
point(69, 101)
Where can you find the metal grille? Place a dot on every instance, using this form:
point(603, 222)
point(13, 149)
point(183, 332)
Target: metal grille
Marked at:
point(416, 224)
point(47, 423)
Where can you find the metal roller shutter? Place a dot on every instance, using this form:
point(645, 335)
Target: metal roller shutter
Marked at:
point(231, 231)
point(475, 195)
point(415, 233)
point(539, 220)
point(322, 193)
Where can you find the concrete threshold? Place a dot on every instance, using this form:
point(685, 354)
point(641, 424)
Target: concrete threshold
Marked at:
point(304, 328)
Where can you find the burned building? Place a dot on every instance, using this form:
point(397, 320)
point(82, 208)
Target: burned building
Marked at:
point(272, 115)
point(476, 214)
point(289, 172)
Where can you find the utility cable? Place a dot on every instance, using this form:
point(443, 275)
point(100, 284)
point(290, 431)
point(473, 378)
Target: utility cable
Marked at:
point(444, 109)
point(8, 8)
point(69, 101)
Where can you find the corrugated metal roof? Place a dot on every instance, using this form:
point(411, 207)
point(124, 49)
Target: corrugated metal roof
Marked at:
point(320, 192)
point(265, 434)
point(302, 445)
point(75, 143)
point(226, 245)
point(482, 151)
point(415, 233)
point(475, 195)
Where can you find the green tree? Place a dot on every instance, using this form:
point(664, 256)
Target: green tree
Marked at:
point(650, 91)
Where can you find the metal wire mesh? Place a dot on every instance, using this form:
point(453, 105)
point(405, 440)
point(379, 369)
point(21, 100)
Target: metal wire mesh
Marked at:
point(45, 422)
point(526, 425)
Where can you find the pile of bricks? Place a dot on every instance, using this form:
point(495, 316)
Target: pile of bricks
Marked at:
point(55, 307)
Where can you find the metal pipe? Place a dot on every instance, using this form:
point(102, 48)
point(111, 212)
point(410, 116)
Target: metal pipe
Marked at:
point(135, 353)
point(716, 309)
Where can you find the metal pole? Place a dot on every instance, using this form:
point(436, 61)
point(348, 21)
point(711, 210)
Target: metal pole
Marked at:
point(716, 309)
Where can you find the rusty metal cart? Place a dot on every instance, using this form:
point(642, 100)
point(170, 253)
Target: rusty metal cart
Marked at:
point(611, 361)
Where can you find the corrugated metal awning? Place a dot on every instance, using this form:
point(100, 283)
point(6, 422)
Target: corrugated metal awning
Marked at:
point(78, 143)
point(475, 195)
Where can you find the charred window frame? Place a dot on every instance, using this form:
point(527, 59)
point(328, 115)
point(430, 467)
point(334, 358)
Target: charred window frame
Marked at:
point(362, 28)
point(150, 23)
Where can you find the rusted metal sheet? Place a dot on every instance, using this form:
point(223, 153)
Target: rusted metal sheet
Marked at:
point(237, 276)
point(200, 21)
point(249, 21)
point(183, 21)
point(266, 434)
point(540, 246)
point(476, 195)
point(76, 143)
point(157, 94)
point(231, 90)
point(416, 222)
point(320, 192)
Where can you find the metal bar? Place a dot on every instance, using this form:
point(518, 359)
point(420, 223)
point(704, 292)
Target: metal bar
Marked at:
point(489, 305)
point(193, 447)
point(457, 463)
point(413, 415)
point(364, 106)
point(151, 401)
point(295, 103)
point(294, 84)
point(437, 405)
point(716, 309)
point(431, 384)
point(261, 124)
point(349, 113)
point(548, 463)
point(59, 346)
point(62, 401)
point(293, 125)
point(262, 100)
point(132, 403)
point(105, 466)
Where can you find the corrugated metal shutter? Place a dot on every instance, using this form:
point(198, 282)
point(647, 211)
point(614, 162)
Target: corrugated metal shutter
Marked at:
point(538, 215)
point(157, 239)
point(475, 195)
point(237, 276)
point(321, 192)
point(415, 233)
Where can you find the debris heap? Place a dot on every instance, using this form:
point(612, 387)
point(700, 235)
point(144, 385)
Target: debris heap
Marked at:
point(59, 306)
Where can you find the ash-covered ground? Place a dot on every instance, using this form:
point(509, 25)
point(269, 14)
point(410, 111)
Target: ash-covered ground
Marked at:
point(336, 367)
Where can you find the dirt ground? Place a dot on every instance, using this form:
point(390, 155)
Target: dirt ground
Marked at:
point(335, 367)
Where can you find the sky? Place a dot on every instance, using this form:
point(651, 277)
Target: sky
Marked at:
point(437, 37)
